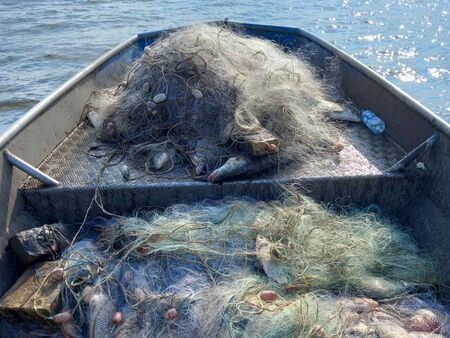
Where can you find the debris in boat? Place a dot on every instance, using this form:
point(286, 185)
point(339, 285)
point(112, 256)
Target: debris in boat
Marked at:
point(240, 267)
point(373, 122)
point(34, 296)
point(245, 95)
point(259, 143)
point(41, 243)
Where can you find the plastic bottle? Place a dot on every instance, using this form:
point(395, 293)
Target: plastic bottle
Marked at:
point(373, 122)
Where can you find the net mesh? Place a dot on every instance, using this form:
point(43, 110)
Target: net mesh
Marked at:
point(205, 91)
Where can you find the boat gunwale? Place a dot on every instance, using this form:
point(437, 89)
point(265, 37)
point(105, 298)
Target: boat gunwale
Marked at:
point(61, 91)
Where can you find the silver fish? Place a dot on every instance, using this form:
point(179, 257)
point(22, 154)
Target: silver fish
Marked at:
point(241, 165)
point(101, 310)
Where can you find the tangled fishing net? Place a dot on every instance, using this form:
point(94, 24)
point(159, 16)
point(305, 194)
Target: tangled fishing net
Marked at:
point(246, 268)
point(207, 94)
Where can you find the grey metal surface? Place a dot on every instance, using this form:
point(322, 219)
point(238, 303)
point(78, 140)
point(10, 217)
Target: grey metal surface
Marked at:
point(428, 215)
point(74, 165)
point(29, 169)
point(390, 191)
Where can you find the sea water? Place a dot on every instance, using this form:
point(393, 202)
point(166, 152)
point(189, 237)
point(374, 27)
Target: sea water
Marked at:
point(44, 43)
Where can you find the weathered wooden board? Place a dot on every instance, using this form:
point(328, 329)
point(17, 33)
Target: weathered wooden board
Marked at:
point(34, 296)
point(259, 143)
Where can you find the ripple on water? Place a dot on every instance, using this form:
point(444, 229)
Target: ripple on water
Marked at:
point(439, 73)
point(406, 74)
point(44, 42)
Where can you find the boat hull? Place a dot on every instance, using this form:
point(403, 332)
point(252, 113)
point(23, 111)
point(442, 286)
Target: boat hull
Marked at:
point(418, 199)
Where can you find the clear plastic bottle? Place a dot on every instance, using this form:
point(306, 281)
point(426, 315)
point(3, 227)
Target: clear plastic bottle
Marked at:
point(373, 122)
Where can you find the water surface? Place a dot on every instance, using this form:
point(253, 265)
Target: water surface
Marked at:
point(44, 43)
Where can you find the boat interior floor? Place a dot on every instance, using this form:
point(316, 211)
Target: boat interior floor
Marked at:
point(357, 173)
point(78, 160)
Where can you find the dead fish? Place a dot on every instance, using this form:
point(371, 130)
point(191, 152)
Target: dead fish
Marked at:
point(128, 276)
point(241, 165)
point(101, 310)
point(202, 154)
point(379, 287)
point(360, 305)
point(271, 267)
point(382, 315)
point(425, 320)
point(62, 317)
point(360, 330)
point(96, 118)
point(337, 147)
point(130, 328)
point(139, 294)
point(344, 115)
point(390, 330)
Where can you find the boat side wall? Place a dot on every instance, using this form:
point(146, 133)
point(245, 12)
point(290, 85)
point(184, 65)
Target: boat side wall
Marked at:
point(428, 215)
point(408, 122)
point(38, 133)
